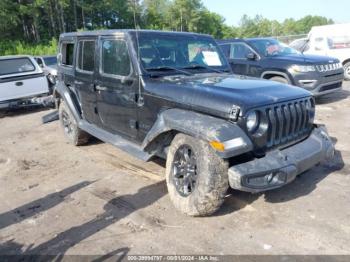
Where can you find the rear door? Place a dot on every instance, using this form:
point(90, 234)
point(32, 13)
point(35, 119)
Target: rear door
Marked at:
point(84, 78)
point(21, 78)
point(116, 87)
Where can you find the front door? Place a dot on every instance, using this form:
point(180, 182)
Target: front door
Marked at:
point(84, 78)
point(240, 61)
point(116, 88)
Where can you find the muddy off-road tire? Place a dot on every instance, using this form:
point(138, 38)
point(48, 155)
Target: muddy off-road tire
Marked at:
point(197, 181)
point(74, 134)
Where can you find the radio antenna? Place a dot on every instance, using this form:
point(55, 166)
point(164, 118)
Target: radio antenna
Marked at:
point(139, 97)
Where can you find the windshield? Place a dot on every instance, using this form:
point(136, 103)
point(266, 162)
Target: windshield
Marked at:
point(175, 52)
point(49, 61)
point(271, 47)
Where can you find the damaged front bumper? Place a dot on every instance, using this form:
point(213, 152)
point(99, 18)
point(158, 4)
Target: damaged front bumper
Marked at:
point(280, 167)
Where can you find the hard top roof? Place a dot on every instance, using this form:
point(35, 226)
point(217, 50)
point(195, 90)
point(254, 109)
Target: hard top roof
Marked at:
point(123, 31)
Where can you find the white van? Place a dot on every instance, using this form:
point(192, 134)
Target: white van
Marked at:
point(328, 40)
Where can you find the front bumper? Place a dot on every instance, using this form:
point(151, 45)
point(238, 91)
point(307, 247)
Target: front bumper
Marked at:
point(280, 167)
point(320, 83)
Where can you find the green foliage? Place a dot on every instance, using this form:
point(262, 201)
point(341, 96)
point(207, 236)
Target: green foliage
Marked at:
point(260, 26)
point(32, 27)
point(17, 47)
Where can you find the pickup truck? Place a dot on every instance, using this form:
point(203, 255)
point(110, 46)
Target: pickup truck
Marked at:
point(21, 81)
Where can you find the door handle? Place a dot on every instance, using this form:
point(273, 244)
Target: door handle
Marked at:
point(19, 83)
point(100, 88)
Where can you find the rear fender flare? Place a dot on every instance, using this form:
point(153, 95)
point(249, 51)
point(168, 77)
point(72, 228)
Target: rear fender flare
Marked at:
point(203, 127)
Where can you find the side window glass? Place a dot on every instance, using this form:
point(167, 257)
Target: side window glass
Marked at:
point(115, 58)
point(86, 55)
point(239, 51)
point(226, 49)
point(67, 51)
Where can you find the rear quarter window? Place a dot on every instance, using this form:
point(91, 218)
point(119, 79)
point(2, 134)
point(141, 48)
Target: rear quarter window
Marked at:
point(15, 66)
point(67, 51)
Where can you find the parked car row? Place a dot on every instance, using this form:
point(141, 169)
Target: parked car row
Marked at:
point(257, 57)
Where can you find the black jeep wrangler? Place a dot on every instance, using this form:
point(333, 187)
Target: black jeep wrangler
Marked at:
point(173, 95)
point(269, 59)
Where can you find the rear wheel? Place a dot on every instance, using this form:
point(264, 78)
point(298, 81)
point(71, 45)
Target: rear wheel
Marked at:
point(74, 134)
point(347, 71)
point(279, 79)
point(197, 178)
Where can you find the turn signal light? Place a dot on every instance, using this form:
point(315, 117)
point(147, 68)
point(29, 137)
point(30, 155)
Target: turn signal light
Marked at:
point(217, 146)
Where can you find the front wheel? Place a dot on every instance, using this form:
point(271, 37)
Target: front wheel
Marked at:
point(347, 71)
point(197, 178)
point(74, 134)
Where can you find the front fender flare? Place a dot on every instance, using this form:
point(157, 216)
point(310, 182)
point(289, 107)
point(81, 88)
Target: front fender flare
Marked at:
point(203, 127)
point(65, 94)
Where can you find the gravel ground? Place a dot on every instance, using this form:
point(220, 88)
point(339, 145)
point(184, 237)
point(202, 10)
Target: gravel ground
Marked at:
point(97, 200)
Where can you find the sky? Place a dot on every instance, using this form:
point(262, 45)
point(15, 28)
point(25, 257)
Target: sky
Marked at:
point(232, 11)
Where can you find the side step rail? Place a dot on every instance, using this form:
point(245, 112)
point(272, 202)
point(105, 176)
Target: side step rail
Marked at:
point(116, 140)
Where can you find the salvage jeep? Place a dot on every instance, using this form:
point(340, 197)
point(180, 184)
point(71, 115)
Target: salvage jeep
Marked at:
point(173, 95)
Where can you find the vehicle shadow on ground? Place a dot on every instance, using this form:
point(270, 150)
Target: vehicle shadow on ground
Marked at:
point(22, 111)
point(303, 185)
point(40, 205)
point(116, 209)
point(13, 251)
point(332, 97)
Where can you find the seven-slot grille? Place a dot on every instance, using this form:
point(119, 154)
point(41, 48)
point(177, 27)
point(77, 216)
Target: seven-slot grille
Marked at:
point(289, 121)
point(328, 67)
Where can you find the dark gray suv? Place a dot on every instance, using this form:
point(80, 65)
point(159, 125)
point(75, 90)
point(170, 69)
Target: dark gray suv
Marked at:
point(269, 59)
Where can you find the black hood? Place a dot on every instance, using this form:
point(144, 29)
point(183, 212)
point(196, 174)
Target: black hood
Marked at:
point(305, 59)
point(217, 93)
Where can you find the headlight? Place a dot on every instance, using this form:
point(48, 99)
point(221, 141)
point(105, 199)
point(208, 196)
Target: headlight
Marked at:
point(303, 69)
point(252, 121)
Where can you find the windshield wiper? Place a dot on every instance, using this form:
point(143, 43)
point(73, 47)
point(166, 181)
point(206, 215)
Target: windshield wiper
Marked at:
point(168, 68)
point(198, 66)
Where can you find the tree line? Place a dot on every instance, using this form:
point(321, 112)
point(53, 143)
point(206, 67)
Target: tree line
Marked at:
point(39, 22)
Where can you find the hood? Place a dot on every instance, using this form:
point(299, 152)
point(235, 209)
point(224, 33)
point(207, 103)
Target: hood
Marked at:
point(217, 93)
point(307, 59)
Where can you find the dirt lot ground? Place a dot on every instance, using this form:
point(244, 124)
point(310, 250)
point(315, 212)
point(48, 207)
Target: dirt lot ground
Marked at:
point(95, 199)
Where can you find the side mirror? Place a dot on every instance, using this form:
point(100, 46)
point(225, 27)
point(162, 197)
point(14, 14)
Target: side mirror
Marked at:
point(251, 56)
